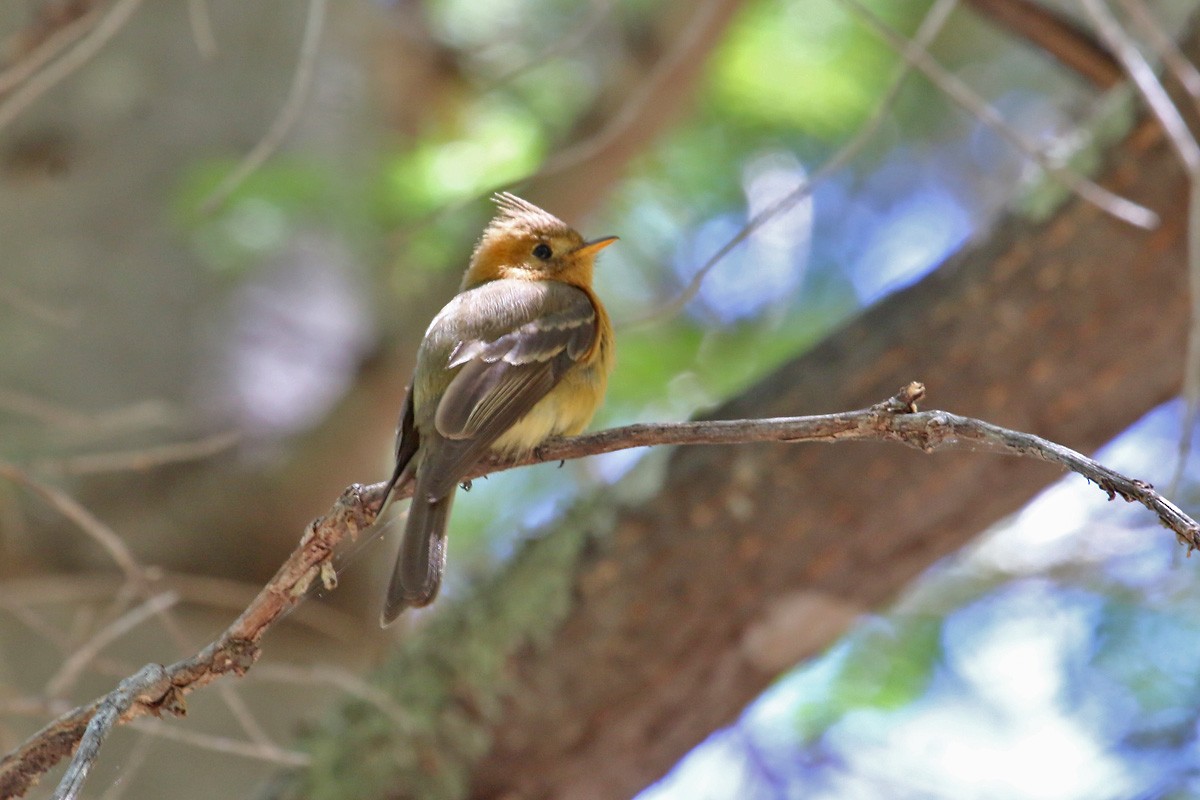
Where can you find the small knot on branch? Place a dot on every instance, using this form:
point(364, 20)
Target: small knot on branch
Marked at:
point(359, 505)
point(904, 401)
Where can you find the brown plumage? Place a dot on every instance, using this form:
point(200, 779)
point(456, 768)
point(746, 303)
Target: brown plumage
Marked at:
point(520, 354)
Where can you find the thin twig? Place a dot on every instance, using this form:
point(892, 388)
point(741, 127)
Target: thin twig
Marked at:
point(1088, 190)
point(32, 706)
point(38, 624)
point(157, 689)
point(1191, 364)
point(218, 594)
point(650, 86)
point(62, 681)
point(1151, 89)
point(87, 522)
point(1167, 48)
point(597, 13)
point(45, 50)
point(202, 29)
point(138, 416)
point(926, 33)
point(137, 577)
point(22, 302)
point(142, 459)
point(290, 112)
point(26, 405)
point(1181, 138)
point(83, 51)
point(149, 683)
point(1052, 32)
point(346, 682)
point(223, 744)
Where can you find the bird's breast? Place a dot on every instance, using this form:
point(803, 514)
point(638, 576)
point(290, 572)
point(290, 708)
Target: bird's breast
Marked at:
point(565, 411)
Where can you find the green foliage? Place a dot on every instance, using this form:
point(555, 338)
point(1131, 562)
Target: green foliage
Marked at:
point(890, 663)
point(883, 665)
point(495, 144)
point(257, 218)
point(554, 93)
point(291, 184)
point(718, 362)
point(804, 67)
point(678, 175)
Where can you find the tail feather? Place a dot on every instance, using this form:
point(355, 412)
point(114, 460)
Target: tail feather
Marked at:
point(418, 572)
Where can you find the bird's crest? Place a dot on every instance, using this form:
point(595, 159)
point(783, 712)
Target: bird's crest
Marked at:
point(514, 213)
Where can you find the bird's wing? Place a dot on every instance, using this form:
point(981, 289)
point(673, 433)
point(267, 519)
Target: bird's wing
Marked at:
point(502, 377)
point(407, 442)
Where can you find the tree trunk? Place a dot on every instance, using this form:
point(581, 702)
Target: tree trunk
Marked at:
point(752, 558)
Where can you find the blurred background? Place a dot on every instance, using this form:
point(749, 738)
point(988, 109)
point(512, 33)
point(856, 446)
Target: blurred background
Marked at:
point(224, 227)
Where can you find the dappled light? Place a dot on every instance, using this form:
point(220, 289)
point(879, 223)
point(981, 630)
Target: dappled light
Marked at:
point(888, 266)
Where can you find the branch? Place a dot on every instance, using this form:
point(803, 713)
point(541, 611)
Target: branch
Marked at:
point(51, 32)
point(114, 19)
point(287, 117)
point(1055, 34)
point(953, 87)
point(928, 31)
point(157, 689)
point(1170, 117)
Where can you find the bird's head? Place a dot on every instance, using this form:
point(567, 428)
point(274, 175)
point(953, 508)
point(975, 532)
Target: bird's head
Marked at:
point(524, 241)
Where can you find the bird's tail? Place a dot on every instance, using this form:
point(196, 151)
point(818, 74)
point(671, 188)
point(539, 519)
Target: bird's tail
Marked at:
point(418, 573)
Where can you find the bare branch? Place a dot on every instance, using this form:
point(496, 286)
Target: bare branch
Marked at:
point(598, 12)
point(1167, 48)
point(45, 42)
point(70, 508)
point(1147, 82)
point(935, 18)
point(138, 416)
point(223, 744)
point(73, 667)
point(38, 624)
point(18, 595)
point(683, 48)
point(150, 682)
point(138, 578)
point(32, 706)
point(87, 47)
point(200, 19)
point(1188, 151)
point(1191, 362)
point(341, 679)
point(41, 410)
point(157, 689)
point(288, 114)
point(142, 459)
point(1055, 34)
point(22, 302)
point(1088, 190)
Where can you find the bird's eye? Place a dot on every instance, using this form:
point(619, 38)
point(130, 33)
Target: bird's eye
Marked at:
point(542, 251)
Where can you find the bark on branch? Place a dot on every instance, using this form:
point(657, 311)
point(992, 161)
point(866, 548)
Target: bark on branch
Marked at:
point(158, 689)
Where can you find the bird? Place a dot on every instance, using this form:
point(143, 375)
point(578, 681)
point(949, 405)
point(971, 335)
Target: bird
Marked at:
point(521, 354)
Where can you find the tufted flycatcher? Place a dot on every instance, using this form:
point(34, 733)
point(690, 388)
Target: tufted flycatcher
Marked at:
point(522, 353)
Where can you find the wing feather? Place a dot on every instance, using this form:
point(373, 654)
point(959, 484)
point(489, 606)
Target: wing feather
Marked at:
point(499, 380)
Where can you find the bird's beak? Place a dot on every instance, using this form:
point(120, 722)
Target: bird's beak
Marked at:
point(594, 246)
